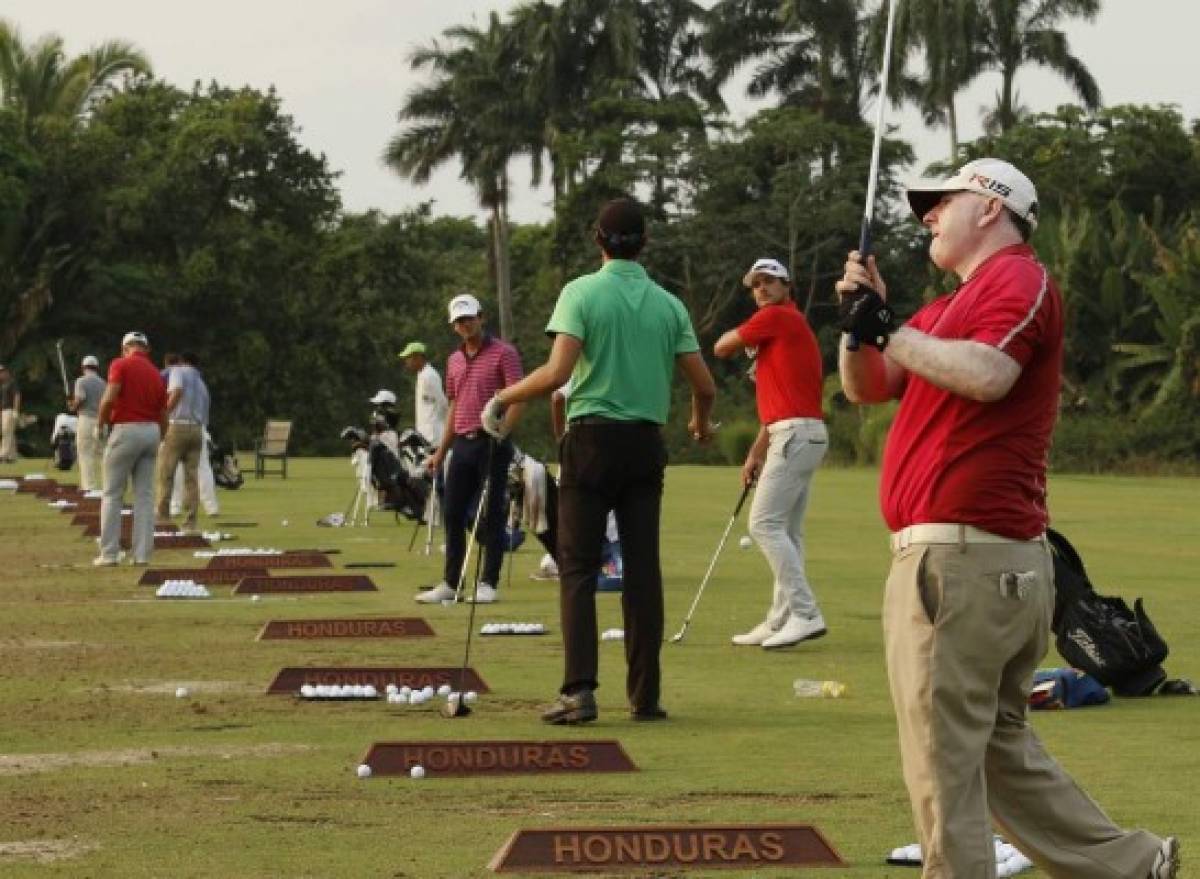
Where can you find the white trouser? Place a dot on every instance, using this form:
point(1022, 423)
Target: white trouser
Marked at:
point(205, 481)
point(8, 434)
point(132, 451)
point(91, 454)
point(797, 447)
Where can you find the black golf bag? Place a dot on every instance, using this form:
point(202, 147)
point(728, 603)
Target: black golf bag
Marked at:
point(403, 478)
point(226, 472)
point(1100, 635)
point(62, 446)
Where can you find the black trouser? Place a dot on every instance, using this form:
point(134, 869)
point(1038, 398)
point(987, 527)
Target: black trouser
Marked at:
point(464, 479)
point(614, 466)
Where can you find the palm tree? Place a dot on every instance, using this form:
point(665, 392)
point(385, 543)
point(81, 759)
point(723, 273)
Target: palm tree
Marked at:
point(472, 111)
point(1014, 33)
point(948, 34)
point(39, 80)
point(811, 53)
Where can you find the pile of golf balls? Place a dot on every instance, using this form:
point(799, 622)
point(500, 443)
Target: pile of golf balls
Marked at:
point(31, 477)
point(408, 696)
point(181, 589)
point(338, 691)
point(8, 484)
point(417, 771)
point(612, 635)
point(512, 629)
point(61, 502)
point(215, 536)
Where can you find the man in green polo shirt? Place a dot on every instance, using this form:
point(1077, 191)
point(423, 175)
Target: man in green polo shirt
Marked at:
point(619, 337)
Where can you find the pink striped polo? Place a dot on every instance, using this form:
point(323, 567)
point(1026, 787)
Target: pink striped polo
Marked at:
point(473, 380)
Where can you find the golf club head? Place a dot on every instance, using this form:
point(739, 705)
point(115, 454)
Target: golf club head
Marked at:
point(678, 636)
point(455, 708)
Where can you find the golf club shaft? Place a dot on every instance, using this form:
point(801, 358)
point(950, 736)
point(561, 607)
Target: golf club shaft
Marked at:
point(713, 564)
point(62, 367)
point(864, 235)
point(483, 496)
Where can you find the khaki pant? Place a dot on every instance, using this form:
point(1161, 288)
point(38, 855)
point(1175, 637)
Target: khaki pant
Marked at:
point(91, 454)
point(8, 434)
point(963, 640)
point(183, 442)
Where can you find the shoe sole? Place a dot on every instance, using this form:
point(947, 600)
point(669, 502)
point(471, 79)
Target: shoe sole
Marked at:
point(1172, 862)
point(820, 633)
point(573, 718)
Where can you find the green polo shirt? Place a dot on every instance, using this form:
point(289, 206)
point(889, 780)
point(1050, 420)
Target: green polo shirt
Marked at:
point(632, 330)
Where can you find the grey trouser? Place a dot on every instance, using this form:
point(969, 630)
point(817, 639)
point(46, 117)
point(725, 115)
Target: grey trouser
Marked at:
point(797, 447)
point(965, 626)
point(131, 452)
point(184, 444)
point(91, 454)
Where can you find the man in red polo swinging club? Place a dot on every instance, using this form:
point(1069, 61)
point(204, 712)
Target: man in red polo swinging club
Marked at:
point(970, 594)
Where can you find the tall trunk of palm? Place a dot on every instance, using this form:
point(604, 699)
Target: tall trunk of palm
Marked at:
point(500, 254)
point(1006, 113)
point(952, 124)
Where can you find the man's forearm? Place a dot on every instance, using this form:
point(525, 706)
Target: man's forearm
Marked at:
point(970, 369)
point(539, 383)
point(702, 404)
point(864, 374)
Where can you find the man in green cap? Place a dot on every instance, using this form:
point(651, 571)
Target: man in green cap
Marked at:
point(430, 408)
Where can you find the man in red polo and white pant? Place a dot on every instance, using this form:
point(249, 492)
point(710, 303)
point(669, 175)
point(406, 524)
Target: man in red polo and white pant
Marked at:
point(791, 445)
point(970, 594)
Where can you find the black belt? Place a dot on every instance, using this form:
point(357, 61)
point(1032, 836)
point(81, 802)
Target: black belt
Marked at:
point(612, 422)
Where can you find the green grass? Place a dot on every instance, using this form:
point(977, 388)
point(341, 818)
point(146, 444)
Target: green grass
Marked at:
point(246, 785)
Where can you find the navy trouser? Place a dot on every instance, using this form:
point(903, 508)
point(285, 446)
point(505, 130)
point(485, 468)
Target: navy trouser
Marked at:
point(465, 475)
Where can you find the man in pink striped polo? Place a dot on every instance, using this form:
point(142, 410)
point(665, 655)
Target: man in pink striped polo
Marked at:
point(480, 367)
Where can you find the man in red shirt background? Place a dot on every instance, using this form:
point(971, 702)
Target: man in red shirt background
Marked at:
point(135, 405)
point(970, 594)
point(790, 446)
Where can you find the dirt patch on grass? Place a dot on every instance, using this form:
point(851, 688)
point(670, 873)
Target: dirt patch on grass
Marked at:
point(36, 644)
point(169, 687)
point(44, 851)
point(29, 764)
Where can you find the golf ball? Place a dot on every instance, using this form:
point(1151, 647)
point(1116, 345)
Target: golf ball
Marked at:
point(256, 598)
point(308, 691)
point(443, 690)
point(470, 696)
point(417, 772)
point(745, 543)
point(181, 692)
point(364, 771)
point(391, 689)
point(284, 523)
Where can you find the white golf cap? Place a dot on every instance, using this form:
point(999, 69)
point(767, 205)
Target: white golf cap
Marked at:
point(383, 395)
point(464, 305)
point(766, 267)
point(133, 337)
point(90, 360)
point(991, 177)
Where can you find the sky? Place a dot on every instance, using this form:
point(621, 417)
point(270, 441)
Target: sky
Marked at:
point(342, 72)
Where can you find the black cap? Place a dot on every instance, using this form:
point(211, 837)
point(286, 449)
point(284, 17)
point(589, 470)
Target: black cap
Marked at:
point(621, 222)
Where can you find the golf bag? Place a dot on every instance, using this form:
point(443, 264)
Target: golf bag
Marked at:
point(403, 479)
point(224, 463)
point(62, 443)
point(1100, 635)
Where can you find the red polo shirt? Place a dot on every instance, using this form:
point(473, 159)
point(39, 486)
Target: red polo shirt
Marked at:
point(472, 380)
point(950, 459)
point(143, 395)
point(787, 377)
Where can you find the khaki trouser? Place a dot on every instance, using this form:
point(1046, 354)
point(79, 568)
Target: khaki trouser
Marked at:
point(8, 434)
point(965, 626)
point(183, 442)
point(91, 454)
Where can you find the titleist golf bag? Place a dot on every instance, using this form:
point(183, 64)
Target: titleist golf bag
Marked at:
point(1100, 635)
point(224, 463)
point(403, 478)
point(62, 443)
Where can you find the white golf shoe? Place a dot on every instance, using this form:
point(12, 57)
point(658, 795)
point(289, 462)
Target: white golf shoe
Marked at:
point(484, 594)
point(795, 630)
point(439, 593)
point(755, 637)
point(1166, 861)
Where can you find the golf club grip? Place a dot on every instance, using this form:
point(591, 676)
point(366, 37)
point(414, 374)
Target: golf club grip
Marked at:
point(864, 250)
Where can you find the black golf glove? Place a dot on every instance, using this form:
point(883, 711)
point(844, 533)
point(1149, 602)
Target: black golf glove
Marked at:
point(867, 317)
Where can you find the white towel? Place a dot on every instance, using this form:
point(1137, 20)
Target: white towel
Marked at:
point(533, 501)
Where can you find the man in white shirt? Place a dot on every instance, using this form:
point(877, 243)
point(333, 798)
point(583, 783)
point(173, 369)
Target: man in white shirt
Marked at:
point(431, 403)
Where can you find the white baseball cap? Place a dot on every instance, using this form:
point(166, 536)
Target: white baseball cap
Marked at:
point(991, 177)
point(90, 360)
point(764, 266)
point(133, 337)
point(464, 305)
point(383, 395)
